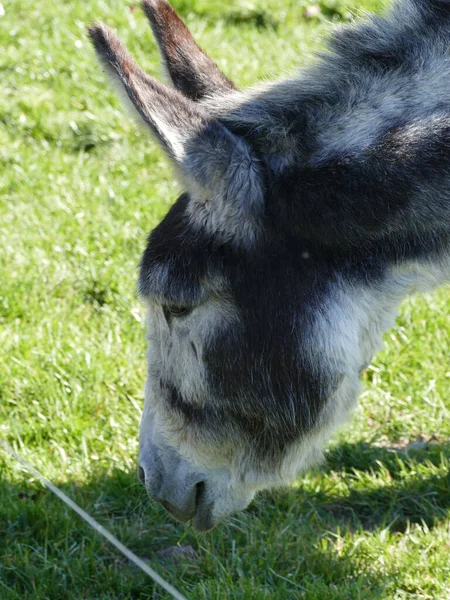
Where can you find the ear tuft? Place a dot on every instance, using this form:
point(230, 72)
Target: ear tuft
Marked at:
point(230, 200)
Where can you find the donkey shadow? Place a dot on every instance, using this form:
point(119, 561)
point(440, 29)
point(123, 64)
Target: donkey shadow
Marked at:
point(389, 487)
point(282, 532)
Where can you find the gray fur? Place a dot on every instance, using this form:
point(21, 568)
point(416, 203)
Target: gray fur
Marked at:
point(312, 208)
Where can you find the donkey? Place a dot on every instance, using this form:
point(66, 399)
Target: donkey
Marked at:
point(311, 208)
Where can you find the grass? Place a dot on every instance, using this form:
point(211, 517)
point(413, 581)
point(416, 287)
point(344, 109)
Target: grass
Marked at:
point(80, 188)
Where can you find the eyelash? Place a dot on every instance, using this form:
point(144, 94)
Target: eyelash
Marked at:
point(174, 311)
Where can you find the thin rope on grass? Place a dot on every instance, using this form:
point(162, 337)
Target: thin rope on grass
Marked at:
point(93, 523)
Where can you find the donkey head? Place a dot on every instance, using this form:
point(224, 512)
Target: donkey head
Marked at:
point(254, 348)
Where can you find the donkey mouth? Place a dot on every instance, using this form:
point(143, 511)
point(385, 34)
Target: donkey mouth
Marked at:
point(203, 519)
point(176, 513)
point(200, 513)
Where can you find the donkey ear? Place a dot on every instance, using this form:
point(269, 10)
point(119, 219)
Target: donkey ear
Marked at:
point(190, 69)
point(170, 116)
point(220, 169)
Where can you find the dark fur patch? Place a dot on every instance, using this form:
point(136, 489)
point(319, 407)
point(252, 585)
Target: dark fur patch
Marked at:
point(184, 252)
point(391, 201)
point(355, 159)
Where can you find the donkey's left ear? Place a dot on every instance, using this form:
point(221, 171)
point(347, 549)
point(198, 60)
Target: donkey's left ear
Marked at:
point(220, 170)
point(192, 72)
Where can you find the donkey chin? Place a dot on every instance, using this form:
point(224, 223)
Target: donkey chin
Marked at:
point(311, 208)
point(206, 495)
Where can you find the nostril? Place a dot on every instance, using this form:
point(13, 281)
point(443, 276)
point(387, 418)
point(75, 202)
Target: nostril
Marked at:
point(203, 520)
point(141, 475)
point(199, 493)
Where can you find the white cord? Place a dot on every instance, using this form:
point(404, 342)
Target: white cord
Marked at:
point(93, 523)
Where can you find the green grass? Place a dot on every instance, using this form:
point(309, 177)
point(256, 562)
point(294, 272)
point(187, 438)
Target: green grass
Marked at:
point(80, 188)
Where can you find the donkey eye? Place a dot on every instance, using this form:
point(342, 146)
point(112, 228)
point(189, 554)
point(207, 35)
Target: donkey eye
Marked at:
point(175, 310)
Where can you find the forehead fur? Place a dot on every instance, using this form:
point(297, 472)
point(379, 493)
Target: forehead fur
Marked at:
point(183, 263)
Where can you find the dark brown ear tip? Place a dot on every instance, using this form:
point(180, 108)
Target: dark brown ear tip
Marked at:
point(148, 6)
point(153, 8)
point(152, 5)
point(105, 41)
point(98, 36)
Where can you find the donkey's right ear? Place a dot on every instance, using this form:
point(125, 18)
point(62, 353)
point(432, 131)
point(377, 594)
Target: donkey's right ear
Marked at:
point(192, 72)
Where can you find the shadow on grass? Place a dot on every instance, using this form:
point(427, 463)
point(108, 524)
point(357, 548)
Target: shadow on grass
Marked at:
point(48, 552)
point(383, 486)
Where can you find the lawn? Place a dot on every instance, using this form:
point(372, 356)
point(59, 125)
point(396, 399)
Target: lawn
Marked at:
point(80, 187)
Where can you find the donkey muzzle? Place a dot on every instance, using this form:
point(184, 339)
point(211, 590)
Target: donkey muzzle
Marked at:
point(176, 485)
